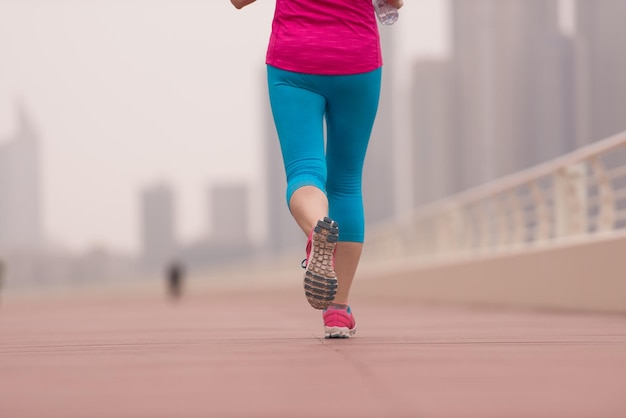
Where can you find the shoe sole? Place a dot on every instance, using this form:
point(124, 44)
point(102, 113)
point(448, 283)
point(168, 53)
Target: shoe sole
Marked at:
point(320, 280)
point(338, 332)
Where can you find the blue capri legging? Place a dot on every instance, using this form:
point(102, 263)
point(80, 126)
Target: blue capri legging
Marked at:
point(348, 103)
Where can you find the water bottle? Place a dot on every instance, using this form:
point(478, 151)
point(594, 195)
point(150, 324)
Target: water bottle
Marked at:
point(387, 14)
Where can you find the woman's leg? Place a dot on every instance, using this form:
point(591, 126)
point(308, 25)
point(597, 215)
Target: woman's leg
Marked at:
point(298, 115)
point(308, 204)
point(351, 110)
point(347, 256)
point(298, 111)
point(299, 102)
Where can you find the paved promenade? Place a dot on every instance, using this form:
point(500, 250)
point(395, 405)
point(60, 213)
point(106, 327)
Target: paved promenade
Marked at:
point(262, 354)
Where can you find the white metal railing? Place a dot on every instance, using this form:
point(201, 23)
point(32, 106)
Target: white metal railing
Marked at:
point(576, 196)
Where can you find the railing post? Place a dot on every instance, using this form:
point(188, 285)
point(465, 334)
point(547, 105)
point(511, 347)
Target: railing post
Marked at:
point(419, 233)
point(472, 228)
point(444, 232)
point(517, 217)
point(542, 230)
point(570, 200)
point(485, 220)
point(606, 197)
point(464, 229)
point(455, 215)
point(502, 219)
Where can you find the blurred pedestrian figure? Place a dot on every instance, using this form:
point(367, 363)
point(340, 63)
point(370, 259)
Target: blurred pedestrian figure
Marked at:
point(324, 64)
point(175, 277)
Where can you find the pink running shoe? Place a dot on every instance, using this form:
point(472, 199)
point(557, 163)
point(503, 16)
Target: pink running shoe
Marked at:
point(320, 280)
point(339, 323)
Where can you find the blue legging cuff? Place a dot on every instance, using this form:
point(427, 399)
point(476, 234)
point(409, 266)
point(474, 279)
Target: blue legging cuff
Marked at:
point(298, 182)
point(357, 238)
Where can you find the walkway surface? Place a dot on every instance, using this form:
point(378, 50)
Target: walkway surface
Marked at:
point(237, 354)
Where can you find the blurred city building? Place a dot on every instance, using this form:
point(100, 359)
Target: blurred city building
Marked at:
point(436, 161)
point(230, 207)
point(600, 64)
point(516, 91)
point(158, 220)
point(29, 258)
point(20, 187)
point(227, 238)
point(507, 90)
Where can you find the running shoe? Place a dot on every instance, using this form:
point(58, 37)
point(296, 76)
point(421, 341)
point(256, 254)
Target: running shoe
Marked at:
point(339, 322)
point(320, 280)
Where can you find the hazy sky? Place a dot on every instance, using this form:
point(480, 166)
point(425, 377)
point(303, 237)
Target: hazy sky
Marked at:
point(127, 93)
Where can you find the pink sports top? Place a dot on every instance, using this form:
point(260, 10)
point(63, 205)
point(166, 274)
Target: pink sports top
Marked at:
point(327, 37)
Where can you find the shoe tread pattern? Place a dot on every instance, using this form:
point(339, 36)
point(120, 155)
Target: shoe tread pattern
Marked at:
point(320, 281)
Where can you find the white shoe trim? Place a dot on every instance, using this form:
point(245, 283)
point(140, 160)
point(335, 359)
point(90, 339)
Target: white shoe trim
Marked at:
point(339, 332)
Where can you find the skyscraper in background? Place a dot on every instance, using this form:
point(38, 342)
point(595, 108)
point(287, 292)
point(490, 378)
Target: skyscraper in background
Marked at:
point(158, 226)
point(473, 76)
point(435, 161)
point(507, 81)
point(517, 90)
point(230, 204)
point(600, 48)
point(20, 187)
point(228, 236)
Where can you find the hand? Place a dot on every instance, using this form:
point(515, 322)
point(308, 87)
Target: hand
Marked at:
point(396, 3)
point(241, 3)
